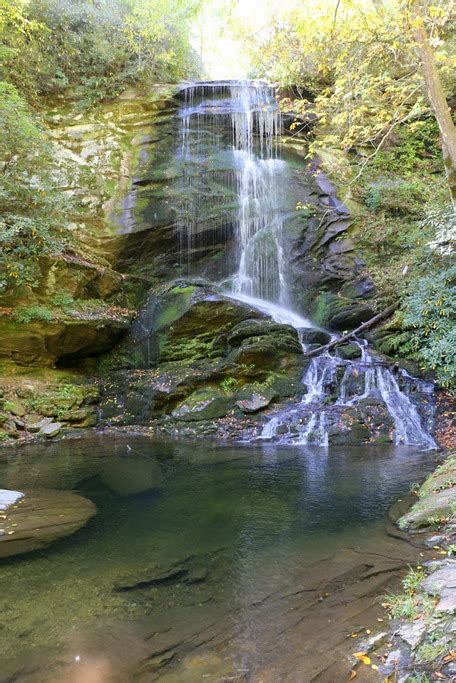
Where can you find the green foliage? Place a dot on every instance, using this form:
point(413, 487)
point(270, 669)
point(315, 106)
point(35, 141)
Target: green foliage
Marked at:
point(21, 136)
point(430, 310)
point(228, 384)
point(429, 652)
point(94, 48)
point(28, 314)
point(413, 580)
point(23, 241)
point(415, 147)
point(63, 300)
point(418, 678)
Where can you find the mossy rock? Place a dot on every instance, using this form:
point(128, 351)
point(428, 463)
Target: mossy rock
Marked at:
point(338, 313)
point(348, 351)
point(314, 336)
point(437, 498)
point(204, 404)
point(436, 508)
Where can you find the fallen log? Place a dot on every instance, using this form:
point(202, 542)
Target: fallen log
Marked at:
point(365, 326)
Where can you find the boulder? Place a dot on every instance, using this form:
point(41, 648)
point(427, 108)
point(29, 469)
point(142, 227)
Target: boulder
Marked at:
point(16, 408)
point(442, 584)
point(429, 510)
point(204, 404)
point(314, 336)
point(51, 429)
point(348, 351)
point(256, 402)
point(339, 313)
point(40, 517)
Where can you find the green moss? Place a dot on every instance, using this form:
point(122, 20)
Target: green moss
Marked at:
point(174, 305)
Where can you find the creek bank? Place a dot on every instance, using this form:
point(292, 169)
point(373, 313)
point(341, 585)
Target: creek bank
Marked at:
point(421, 639)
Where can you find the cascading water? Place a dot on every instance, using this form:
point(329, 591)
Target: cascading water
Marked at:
point(333, 384)
point(255, 263)
point(258, 179)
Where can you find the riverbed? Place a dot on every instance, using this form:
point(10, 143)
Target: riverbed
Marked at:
point(204, 562)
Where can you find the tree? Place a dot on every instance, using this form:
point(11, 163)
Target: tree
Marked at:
point(355, 61)
point(436, 95)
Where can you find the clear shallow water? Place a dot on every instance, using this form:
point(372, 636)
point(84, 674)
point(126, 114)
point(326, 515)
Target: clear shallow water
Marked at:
point(262, 535)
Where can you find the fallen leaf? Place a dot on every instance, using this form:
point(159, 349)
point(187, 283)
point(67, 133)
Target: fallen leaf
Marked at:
point(368, 631)
point(353, 674)
point(374, 667)
point(362, 657)
point(450, 657)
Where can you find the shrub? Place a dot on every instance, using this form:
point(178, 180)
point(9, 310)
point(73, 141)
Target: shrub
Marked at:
point(35, 312)
point(430, 311)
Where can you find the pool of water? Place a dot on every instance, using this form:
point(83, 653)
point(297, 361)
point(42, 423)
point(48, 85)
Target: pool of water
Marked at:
point(203, 562)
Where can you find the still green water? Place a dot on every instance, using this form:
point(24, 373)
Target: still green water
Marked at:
point(251, 526)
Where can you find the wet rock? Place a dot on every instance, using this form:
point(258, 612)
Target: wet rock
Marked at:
point(153, 576)
point(197, 574)
point(36, 426)
point(40, 517)
point(313, 336)
point(412, 633)
point(348, 351)
point(51, 429)
point(442, 583)
point(338, 313)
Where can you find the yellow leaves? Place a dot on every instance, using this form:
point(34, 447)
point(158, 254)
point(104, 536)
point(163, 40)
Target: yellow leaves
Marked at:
point(362, 657)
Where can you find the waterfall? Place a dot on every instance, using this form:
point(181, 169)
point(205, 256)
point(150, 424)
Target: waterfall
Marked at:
point(241, 119)
point(258, 179)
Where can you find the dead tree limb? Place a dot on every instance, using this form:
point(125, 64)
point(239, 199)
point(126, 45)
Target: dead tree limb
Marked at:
point(365, 326)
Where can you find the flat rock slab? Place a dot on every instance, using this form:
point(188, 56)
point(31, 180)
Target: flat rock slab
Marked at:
point(39, 518)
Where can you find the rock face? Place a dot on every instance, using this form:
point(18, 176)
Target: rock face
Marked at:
point(39, 517)
point(193, 353)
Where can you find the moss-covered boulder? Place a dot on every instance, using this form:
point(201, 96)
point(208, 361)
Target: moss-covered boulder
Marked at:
point(339, 313)
point(348, 351)
point(437, 498)
point(204, 404)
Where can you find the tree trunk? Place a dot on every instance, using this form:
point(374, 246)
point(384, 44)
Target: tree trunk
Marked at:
point(436, 96)
point(362, 328)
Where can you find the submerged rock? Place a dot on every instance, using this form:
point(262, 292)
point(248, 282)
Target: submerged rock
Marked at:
point(40, 517)
point(127, 476)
